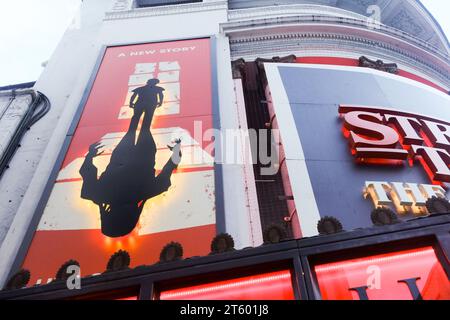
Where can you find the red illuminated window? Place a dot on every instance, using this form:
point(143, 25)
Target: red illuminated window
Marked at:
point(128, 298)
point(392, 276)
point(118, 294)
point(267, 286)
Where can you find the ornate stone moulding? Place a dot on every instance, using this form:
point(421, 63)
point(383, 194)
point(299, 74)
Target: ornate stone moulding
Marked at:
point(166, 10)
point(378, 65)
point(320, 44)
point(269, 38)
point(289, 10)
point(241, 27)
point(407, 16)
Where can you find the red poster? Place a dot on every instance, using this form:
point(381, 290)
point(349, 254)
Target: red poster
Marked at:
point(137, 174)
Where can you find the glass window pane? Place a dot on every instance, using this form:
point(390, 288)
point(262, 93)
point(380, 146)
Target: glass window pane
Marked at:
point(382, 274)
point(267, 286)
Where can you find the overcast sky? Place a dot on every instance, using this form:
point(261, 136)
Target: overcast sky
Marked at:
point(31, 29)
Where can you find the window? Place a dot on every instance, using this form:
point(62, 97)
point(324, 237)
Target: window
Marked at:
point(266, 286)
point(115, 294)
point(402, 275)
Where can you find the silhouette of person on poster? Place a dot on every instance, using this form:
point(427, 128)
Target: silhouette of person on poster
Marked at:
point(129, 180)
point(149, 97)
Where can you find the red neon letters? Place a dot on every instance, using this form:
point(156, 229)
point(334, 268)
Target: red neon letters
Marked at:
point(376, 133)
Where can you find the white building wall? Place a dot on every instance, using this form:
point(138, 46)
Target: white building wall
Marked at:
point(13, 108)
point(64, 82)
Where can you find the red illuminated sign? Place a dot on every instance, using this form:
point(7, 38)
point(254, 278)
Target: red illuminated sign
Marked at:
point(386, 136)
point(268, 286)
point(406, 275)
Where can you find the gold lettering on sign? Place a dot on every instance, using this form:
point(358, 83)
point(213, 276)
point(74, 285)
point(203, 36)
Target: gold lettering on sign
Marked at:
point(404, 197)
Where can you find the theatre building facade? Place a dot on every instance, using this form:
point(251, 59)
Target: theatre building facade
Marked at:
point(244, 150)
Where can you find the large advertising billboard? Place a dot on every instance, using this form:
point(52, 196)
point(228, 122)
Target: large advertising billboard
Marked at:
point(137, 174)
point(356, 139)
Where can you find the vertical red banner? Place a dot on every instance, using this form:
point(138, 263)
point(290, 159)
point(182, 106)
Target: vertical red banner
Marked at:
point(137, 174)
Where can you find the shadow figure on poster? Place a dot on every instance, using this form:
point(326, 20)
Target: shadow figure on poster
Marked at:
point(129, 180)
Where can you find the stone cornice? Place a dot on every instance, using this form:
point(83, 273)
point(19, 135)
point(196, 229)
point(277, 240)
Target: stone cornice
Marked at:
point(408, 16)
point(167, 10)
point(263, 36)
point(289, 10)
point(329, 44)
point(233, 28)
point(432, 22)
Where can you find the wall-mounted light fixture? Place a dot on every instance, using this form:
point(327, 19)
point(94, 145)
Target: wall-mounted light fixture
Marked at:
point(118, 261)
point(19, 280)
point(438, 205)
point(274, 234)
point(171, 252)
point(222, 243)
point(329, 225)
point(61, 274)
point(383, 217)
